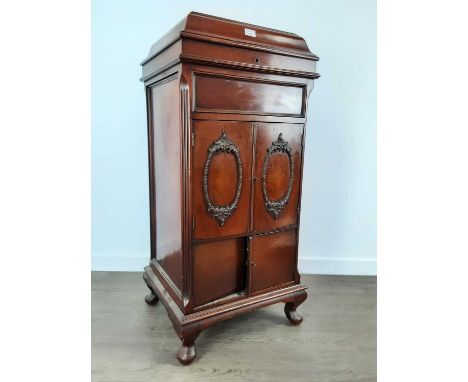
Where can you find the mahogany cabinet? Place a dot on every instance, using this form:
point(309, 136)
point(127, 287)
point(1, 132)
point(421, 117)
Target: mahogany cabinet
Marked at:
point(226, 107)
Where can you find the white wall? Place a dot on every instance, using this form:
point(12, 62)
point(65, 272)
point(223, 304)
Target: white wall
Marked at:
point(338, 224)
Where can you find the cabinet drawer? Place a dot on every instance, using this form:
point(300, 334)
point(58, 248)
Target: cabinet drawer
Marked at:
point(219, 93)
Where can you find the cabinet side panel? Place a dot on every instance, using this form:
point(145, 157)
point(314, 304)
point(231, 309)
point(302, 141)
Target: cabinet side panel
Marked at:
point(167, 145)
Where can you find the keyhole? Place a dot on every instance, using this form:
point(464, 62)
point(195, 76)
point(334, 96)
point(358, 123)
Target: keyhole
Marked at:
point(256, 60)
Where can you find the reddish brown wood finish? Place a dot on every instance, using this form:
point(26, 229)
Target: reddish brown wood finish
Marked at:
point(167, 194)
point(222, 177)
point(218, 270)
point(240, 56)
point(277, 174)
point(272, 260)
point(226, 108)
point(248, 96)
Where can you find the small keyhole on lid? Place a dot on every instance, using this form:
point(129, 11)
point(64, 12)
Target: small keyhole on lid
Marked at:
point(256, 60)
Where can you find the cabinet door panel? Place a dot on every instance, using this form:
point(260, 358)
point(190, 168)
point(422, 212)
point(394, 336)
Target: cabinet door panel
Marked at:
point(222, 173)
point(278, 155)
point(272, 260)
point(218, 269)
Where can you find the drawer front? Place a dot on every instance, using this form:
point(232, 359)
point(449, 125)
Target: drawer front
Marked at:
point(218, 93)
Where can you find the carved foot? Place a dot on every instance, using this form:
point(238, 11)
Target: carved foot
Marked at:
point(294, 317)
point(186, 353)
point(151, 297)
point(290, 309)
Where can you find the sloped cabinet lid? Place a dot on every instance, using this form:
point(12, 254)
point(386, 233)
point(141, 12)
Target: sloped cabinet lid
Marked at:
point(205, 27)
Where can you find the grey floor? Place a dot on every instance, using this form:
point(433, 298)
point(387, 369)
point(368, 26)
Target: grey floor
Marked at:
point(132, 341)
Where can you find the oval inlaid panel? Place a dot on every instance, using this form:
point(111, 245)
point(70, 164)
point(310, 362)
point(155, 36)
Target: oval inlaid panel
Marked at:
point(223, 145)
point(276, 206)
point(222, 178)
point(277, 176)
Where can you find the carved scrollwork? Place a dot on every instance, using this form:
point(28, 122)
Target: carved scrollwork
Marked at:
point(222, 144)
point(274, 207)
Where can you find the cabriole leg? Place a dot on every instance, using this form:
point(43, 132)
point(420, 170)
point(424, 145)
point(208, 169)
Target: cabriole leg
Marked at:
point(150, 298)
point(290, 309)
point(187, 351)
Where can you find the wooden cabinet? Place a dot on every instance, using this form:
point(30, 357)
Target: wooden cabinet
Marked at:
point(226, 106)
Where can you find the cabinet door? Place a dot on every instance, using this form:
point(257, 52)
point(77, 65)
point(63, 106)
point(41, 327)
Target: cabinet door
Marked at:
point(278, 155)
point(221, 179)
point(218, 269)
point(272, 260)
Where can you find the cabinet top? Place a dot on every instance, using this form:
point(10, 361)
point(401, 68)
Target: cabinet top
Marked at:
point(229, 32)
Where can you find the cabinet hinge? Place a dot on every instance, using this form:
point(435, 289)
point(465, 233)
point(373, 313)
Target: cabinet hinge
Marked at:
point(193, 224)
point(193, 139)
